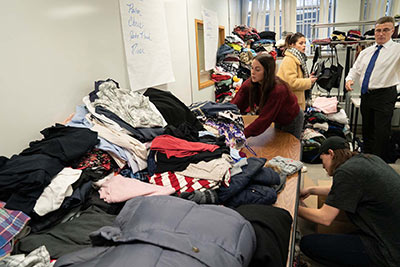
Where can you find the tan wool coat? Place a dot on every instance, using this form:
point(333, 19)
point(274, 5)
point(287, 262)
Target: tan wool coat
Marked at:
point(290, 71)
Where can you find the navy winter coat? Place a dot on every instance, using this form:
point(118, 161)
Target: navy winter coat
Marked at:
point(252, 186)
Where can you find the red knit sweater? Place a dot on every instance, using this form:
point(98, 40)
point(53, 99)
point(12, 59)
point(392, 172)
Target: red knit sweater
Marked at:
point(281, 107)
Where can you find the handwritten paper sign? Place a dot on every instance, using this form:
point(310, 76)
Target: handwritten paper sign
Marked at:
point(210, 22)
point(146, 43)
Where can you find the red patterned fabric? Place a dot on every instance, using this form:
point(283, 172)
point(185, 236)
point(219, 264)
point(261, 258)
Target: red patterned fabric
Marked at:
point(182, 183)
point(246, 33)
point(273, 54)
point(94, 158)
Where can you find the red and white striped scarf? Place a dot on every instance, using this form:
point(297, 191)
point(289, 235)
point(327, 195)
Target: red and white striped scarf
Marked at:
point(182, 183)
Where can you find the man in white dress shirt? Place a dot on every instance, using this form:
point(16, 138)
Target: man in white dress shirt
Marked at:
point(378, 70)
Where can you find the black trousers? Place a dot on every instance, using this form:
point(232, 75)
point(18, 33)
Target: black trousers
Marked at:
point(377, 110)
point(335, 249)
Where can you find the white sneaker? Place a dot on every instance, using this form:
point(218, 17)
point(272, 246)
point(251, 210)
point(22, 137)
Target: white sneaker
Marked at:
point(304, 169)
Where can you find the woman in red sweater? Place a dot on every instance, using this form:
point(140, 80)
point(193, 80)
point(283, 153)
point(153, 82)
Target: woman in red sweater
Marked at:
point(268, 96)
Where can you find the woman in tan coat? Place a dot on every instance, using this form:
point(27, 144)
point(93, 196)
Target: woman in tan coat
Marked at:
point(293, 68)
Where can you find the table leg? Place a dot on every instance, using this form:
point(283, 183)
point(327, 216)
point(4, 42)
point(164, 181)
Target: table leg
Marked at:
point(294, 225)
point(355, 127)
point(351, 117)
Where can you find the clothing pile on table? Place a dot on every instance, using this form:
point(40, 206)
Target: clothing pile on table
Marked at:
point(222, 119)
point(127, 179)
point(234, 59)
point(323, 119)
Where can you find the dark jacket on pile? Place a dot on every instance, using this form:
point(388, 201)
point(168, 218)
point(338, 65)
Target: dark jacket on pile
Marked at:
point(23, 177)
point(171, 108)
point(63, 142)
point(251, 186)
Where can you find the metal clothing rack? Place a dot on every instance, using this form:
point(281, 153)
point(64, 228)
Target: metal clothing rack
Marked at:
point(350, 47)
point(345, 24)
point(349, 59)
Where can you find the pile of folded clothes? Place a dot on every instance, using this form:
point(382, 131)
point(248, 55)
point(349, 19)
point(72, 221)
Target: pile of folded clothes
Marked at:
point(338, 36)
point(354, 35)
point(234, 59)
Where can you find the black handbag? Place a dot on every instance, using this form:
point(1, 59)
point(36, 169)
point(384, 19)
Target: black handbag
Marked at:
point(330, 77)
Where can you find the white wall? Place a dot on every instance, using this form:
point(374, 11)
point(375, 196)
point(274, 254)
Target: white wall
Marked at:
point(52, 51)
point(183, 30)
point(396, 7)
point(234, 15)
point(176, 17)
point(194, 12)
point(347, 11)
point(180, 15)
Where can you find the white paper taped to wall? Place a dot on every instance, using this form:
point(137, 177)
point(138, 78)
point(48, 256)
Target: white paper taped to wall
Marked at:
point(146, 43)
point(210, 21)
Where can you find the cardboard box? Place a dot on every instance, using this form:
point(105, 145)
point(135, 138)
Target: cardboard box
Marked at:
point(311, 201)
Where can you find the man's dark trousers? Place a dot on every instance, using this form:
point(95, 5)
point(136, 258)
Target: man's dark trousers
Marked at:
point(377, 111)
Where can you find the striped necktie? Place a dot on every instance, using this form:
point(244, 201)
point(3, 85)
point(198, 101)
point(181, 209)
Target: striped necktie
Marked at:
point(368, 72)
